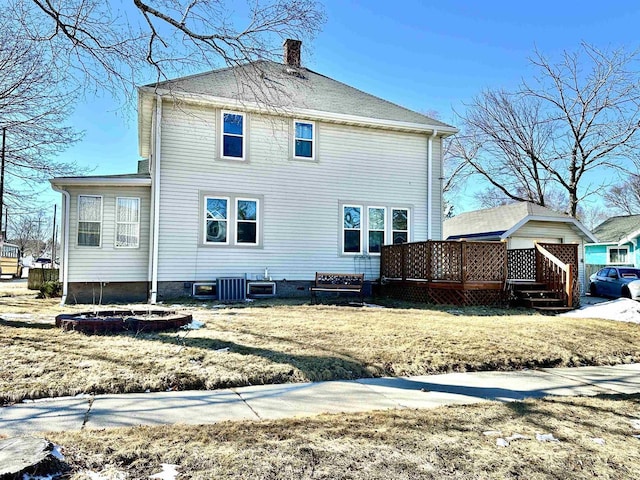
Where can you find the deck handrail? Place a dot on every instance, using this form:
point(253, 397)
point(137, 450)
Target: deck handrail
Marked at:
point(558, 275)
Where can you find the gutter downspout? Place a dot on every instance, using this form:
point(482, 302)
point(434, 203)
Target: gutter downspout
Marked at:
point(430, 185)
point(65, 252)
point(156, 202)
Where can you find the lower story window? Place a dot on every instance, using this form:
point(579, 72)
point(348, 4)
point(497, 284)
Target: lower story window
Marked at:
point(352, 232)
point(618, 255)
point(89, 220)
point(232, 220)
point(400, 225)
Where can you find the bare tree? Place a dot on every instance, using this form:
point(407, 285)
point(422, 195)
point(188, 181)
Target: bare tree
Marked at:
point(107, 46)
point(579, 115)
point(31, 232)
point(34, 105)
point(624, 198)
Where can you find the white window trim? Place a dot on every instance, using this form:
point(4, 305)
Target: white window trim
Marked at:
point(391, 229)
point(137, 224)
point(610, 247)
point(313, 140)
point(204, 222)
point(361, 207)
point(243, 136)
point(78, 221)
point(384, 228)
point(256, 221)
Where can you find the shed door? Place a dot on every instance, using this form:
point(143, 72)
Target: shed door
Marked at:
point(528, 242)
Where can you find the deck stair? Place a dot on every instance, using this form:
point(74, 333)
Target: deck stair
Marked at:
point(535, 295)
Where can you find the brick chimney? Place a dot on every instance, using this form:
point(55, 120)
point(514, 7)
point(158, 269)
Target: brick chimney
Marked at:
point(292, 52)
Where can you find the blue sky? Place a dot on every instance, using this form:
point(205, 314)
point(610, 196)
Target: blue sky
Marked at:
point(424, 55)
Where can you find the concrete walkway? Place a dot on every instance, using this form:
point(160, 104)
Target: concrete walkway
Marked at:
point(304, 399)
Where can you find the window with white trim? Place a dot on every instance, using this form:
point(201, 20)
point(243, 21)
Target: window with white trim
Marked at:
point(247, 221)
point(304, 140)
point(127, 222)
point(89, 220)
point(233, 136)
point(351, 229)
point(616, 255)
point(376, 222)
point(399, 225)
point(216, 220)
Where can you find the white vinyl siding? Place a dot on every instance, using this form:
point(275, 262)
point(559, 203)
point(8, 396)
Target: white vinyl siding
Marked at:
point(300, 226)
point(108, 263)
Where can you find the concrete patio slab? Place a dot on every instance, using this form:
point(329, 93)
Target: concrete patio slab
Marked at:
point(304, 399)
point(44, 415)
point(159, 408)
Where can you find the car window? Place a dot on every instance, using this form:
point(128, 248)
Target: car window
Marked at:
point(603, 272)
point(629, 273)
point(613, 273)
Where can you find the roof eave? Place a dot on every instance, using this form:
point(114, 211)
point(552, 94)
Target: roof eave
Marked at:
point(103, 181)
point(223, 102)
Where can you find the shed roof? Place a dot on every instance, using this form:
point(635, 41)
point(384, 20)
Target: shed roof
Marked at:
point(501, 222)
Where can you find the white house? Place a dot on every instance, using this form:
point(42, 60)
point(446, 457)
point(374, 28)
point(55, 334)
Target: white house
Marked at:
point(262, 171)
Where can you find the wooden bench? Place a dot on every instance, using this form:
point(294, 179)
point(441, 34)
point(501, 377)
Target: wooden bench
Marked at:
point(338, 283)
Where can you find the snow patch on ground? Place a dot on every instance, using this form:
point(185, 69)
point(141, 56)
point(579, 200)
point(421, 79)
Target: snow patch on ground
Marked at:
point(621, 310)
point(194, 325)
point(169, 472)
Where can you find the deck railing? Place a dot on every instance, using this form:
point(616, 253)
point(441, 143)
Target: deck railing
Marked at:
point(559, 277)
point(445, 261)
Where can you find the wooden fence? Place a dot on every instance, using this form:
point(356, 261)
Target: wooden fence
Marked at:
point(37, 276)
point(445, 272)
point(461, 272)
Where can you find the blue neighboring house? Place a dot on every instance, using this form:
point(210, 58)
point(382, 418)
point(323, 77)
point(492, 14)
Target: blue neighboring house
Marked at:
point(618, 241)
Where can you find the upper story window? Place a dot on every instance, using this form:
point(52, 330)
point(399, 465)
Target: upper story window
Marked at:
point(399, 225)
point(352, 229)
point(127, 222)
point(247, 221)
point(89, 220)
point(233, 135)
point(304, 140)
point(216, 220)
point(618, 254)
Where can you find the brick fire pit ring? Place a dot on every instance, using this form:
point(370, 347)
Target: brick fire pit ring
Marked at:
point(114, 321)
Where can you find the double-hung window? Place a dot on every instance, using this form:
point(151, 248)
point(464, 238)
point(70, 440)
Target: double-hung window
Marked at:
point(233, 136)
point(247, 221)
point(376, 223)
point(618, 255)
point(399, 225)
point(89, 220)
point(216, 220)
point(304, 140)
point(352, 229)
point(127, 222)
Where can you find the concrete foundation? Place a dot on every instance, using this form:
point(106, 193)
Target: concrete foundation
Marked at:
point(102, 293)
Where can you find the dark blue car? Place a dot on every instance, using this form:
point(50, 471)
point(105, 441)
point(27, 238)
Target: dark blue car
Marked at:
point(616, 282)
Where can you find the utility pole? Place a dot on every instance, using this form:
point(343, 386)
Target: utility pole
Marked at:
point(4, 134)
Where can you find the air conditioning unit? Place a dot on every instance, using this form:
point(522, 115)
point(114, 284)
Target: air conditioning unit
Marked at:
point(261, 289)
point(232, 289)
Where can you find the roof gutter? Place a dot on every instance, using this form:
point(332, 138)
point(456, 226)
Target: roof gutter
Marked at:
point(430, 184)
point(106, 181)
point(65, 252)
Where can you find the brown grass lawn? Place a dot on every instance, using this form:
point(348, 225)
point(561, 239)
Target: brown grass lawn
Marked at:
point(290, 343)
point(443, 443)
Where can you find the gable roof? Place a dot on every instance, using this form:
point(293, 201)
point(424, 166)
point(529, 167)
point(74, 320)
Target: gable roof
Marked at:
point(274, 87)
point(501, 222)
point(616, 229)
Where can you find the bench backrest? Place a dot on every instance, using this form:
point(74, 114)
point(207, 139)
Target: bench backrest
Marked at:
point(339, 280)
